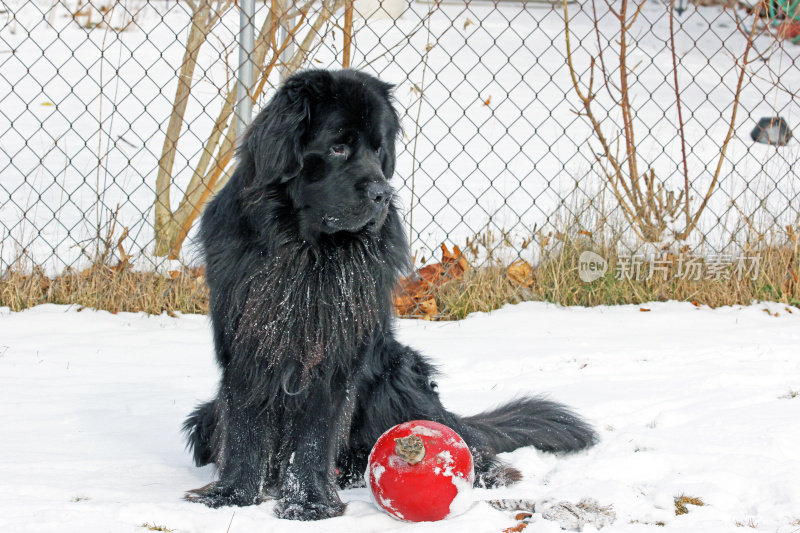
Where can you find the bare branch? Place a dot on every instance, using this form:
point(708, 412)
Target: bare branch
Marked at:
point(678, 103)
point(348, 33)
point(197, 35)
point(693, 222)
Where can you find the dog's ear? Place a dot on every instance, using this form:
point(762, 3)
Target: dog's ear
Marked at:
point(388, 157)
point(392, 132)
point(274, 140)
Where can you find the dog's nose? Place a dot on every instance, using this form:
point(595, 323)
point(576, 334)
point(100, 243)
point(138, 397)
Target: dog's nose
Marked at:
point(380, 193)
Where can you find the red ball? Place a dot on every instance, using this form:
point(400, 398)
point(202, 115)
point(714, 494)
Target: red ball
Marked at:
point(421, 471)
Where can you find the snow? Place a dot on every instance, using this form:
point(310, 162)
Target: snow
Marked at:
point(687, 401)
point(377, 472)
point(425, 431)
point(464, 499)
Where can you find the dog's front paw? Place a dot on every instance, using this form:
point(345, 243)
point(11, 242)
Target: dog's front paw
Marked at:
point(218, 494)
point(290, 509)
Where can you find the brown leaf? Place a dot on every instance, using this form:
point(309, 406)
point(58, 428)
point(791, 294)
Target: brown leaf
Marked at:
point(460, 259)
point(521, 273)
point(488, 100)
point(447, 255)
point(404, 303)
point(408, 295)
point(432, 274)
point(644, 309)
point(429, 308)
point(414, 293)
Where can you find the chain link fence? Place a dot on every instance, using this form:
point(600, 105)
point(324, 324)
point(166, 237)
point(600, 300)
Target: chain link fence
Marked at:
point(519, 118)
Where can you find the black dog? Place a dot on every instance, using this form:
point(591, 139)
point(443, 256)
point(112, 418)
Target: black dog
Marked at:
point(303, 247)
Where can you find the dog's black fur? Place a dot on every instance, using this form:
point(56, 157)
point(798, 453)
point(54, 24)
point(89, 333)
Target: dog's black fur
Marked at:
point(303, 247)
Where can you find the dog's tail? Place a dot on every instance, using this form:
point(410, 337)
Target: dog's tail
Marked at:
point(532, 421)
point(199, 428)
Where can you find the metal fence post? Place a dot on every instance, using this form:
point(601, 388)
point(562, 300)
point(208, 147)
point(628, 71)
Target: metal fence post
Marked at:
point(244, 103)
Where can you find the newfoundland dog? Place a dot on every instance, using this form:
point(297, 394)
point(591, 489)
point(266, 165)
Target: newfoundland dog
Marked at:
point(303, 248)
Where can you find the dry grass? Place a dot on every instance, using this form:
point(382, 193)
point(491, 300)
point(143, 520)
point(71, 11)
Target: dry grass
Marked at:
point(154, 527)
point(555, 279)
point(110, 282)
point(107, 287)
point(481, 289)
point(772, 276)
point(682, 501)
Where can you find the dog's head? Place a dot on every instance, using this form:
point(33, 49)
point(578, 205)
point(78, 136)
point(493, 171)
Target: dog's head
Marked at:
point(325, 145)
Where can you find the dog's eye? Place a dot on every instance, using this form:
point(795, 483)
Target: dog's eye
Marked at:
point(339, 150)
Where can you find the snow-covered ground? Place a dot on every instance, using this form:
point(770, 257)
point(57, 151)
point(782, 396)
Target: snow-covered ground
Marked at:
point(688, 401)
